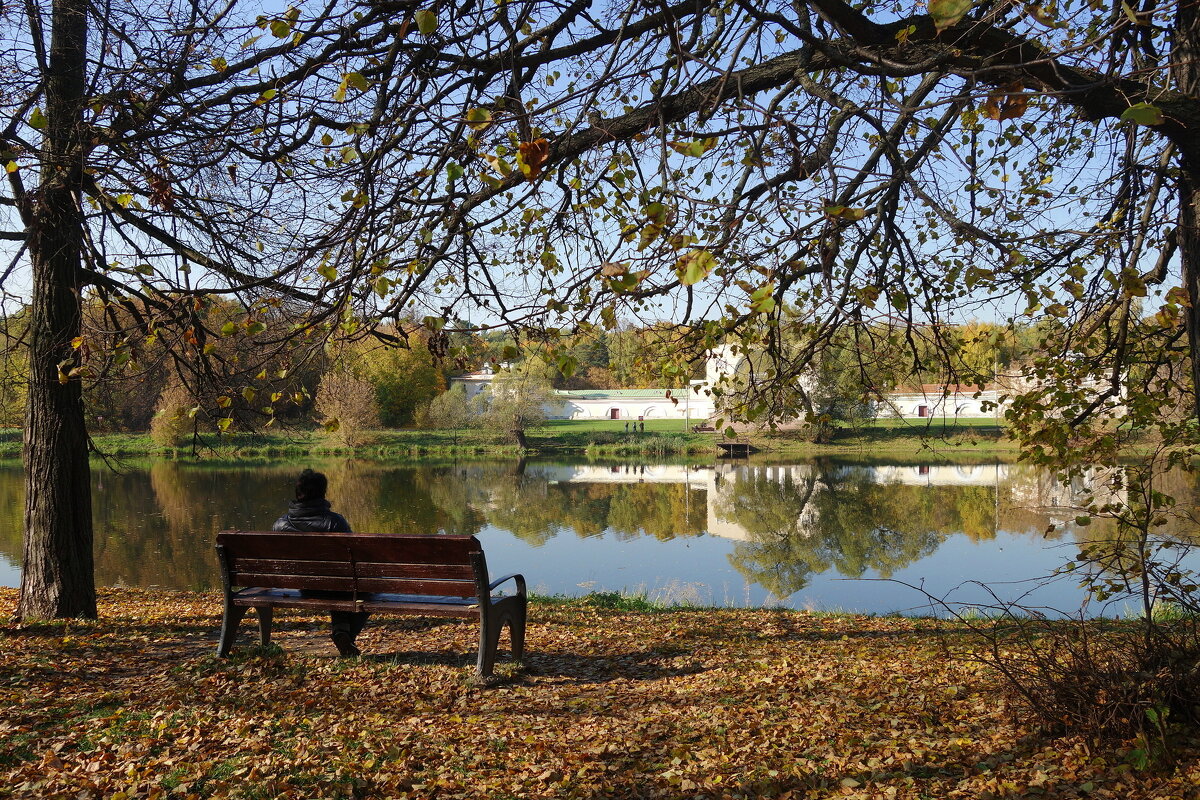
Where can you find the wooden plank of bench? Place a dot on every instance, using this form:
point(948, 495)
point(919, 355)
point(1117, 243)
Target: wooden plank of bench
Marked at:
point(341, 568)
point(412, 605)
point(367, 547)
point(340, 584)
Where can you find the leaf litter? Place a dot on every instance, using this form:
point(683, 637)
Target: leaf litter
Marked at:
point(610, 704)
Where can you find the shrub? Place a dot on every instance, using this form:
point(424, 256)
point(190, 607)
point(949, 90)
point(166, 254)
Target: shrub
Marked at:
point(346, 402)
point(172, 420)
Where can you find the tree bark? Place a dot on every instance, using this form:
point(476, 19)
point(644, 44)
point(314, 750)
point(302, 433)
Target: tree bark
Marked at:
point(1185, 57)
point(57, 568)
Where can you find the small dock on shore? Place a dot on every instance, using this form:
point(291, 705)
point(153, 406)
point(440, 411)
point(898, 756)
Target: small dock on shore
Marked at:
point(735, 448)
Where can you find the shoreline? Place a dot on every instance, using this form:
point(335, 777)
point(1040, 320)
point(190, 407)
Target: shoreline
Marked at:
point(575, 439)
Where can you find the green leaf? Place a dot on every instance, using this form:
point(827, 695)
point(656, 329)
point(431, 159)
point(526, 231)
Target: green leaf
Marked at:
point(219, 64)
point(224, 401)
point(846, 213)
point(332, 425)
point(479, 118)
point(454, 171)
point(229, 329)
point(946, 13)
point(1143, 114)
point(37, 119)
point(255, 328)
point(694, 266)
point(762, 300)
point(249, 393)
point(427, 21)
point(281, 29)
point(224, 424)
point(351, 80)
point(567, 365)
point(696, 148)
point(328, 272)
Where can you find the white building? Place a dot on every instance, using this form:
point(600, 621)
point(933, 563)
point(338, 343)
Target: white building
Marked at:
point(948, 401)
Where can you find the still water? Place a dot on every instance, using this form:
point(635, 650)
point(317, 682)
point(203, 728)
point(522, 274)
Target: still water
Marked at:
point(818, 535)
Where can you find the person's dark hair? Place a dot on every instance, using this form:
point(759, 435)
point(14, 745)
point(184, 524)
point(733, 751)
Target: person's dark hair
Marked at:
point(311, 485)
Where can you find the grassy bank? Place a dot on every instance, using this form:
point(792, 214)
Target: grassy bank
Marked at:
point(613, 703)
point(595, 438)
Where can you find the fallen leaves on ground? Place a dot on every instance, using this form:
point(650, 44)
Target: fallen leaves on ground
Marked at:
point(686, 704)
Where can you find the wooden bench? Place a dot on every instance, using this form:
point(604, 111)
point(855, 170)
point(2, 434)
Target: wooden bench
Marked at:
point(436, 576)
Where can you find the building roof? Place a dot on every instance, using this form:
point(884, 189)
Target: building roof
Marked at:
point(939, 389)
point(618, 394)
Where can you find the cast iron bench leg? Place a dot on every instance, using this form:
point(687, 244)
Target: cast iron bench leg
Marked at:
point(265, 614)
point(509, 611)
point(229, 627)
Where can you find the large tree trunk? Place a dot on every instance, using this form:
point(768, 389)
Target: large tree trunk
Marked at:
point(1188, 238)
point(57, 577)
point(1185, 74)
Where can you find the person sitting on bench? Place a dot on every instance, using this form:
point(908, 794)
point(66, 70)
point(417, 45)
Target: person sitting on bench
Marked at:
point(311, 512)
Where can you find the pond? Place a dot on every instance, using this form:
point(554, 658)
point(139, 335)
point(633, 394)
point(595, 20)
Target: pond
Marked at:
point(819, 535)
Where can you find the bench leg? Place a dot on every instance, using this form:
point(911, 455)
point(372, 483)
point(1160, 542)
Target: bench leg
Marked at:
point(265, 615)
point(489, 638)
point(229, 627)
point(516, 627)
point(511, 612)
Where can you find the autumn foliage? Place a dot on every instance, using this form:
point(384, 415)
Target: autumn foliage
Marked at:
point(734, 703)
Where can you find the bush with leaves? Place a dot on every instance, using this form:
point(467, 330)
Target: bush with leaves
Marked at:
point(173, 420)
point(346, 403)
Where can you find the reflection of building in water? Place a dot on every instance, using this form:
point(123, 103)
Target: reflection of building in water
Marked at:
point(720, 483)
point(943, 475)
point(1039, 489)
point(1031, 490)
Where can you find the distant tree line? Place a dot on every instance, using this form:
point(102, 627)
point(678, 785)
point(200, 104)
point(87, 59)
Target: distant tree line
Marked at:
point(366, 383)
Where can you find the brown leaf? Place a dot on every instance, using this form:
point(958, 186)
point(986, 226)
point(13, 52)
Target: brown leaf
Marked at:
point(532, 157)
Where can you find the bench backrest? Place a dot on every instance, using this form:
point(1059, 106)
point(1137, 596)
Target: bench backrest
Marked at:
point(439, 565)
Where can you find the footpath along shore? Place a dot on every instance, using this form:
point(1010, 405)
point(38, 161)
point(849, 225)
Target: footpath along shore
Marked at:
point(613, 702)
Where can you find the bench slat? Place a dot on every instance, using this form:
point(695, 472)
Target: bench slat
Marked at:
point(337, 584)
point(389, 604)
point(342, 568)
point(367, 547)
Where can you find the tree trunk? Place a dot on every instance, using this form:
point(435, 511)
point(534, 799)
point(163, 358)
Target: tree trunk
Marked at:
point(1188, 238)
point(57, 577)
point(1185, 74)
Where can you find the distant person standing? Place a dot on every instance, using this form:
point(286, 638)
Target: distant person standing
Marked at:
point(311, 512)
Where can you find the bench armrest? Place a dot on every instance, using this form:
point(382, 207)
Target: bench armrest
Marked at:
point(516, 576)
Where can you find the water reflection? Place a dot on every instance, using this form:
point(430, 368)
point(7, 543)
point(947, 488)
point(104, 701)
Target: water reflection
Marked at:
point(771, 529)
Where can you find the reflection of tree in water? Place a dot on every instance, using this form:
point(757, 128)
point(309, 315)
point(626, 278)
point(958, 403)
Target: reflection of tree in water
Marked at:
point(663, 511)
point(803, 524)
point(535, 510)
point(12, 512)
point(421, 500)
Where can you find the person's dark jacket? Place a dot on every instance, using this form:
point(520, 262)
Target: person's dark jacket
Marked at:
point(311, 516)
